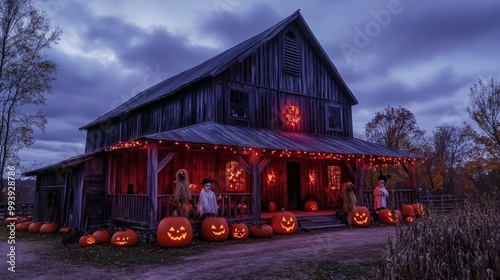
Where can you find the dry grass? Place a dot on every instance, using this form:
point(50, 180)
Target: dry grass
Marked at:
point(464, 244)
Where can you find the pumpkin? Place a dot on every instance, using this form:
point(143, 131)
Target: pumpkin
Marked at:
point(174, 232)
point(34, 227)
point(87, 240)
point(124, 238)
point(284, 222)
point(410, 219)
point(389, 217)
point(102, 236)
point(419, 209)
point(49, 227)
point(239, 231)
point(23, 226)
point(360, 216)
point(311, 205)
point(214, 229)
point(261, 230)
point(11, 219)
point(64, 230)
point(407, 210)
point(271, 206)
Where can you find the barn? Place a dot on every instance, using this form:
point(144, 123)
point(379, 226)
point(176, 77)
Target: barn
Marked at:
point(268, 120)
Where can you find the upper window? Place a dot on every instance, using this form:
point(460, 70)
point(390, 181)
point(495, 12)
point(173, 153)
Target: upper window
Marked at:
point(291, 54)
point(239, 104)
point(333, 117)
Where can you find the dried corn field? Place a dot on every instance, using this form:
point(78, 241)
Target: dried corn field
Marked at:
point(464, 244)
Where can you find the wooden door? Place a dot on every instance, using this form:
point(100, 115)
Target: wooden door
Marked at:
point(293, 184)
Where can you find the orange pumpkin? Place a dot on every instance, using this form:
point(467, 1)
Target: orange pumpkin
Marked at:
point(124, 238)
point(102, 236)
point(174, 232)
point(419, 209)
point(271, 206)
point(239, 231)
point(407, 210)
point(360, 216)
point(87, 241)
point(49, 227)
point(23, 226)
point(389, 217)
point(214, 229)
point(284, 222)
point(311, 206)
point(261, 230)
point(64, 230)
point(34, 227)
point(11, 219)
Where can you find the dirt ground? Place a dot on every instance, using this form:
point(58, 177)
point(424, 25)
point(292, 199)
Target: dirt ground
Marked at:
point(290, 257)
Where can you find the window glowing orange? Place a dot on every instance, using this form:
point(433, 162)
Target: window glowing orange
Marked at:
point(292, 115)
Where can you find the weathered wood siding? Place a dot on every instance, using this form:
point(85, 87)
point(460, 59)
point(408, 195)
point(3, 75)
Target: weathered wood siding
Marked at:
point(94, 191)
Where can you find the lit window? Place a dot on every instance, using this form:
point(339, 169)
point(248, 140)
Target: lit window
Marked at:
point(235, 177)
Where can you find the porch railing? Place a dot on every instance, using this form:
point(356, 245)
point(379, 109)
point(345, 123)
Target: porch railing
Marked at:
point(395, 200)
point(130, 207)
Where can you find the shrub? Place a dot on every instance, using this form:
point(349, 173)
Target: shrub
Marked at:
point(464, 244)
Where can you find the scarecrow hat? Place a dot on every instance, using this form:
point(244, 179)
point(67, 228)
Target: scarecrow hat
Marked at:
point(207, 180)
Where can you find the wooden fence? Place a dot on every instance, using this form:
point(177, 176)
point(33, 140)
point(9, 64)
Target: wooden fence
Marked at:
point(23, 209)
point(443, 203)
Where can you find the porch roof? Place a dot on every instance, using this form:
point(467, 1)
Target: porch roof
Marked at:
point(238, 136)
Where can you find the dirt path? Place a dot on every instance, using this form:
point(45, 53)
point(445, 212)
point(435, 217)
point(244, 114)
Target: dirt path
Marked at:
point(259, 260)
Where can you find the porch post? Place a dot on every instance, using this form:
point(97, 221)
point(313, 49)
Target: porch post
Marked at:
point(360, 182)
point(255, 183)
point(152, 184)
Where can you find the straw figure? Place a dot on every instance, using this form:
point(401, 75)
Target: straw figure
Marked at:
point(349, 199)
point(182, 193)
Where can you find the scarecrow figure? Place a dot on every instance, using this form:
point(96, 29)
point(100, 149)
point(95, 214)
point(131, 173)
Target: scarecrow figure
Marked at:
point(349, 200)
point(182, 193)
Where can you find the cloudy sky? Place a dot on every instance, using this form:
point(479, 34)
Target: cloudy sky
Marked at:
point(421, 55)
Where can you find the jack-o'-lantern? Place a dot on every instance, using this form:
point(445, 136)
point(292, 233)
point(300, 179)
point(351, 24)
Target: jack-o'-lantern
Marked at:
point(64, 230)
point(214, 229)
point(389, 217)
point(410, 219)
point(239, 231)
point(174, 232)
point(87, 241)
point(102, 236)
point(124, 238)
point(311, 205)
point(49, 227)
point(261, 230)
point(34, 227)
point(419, 209)
point(360, 216)
point(284, 222)
point(23, 226)
point(407, 210)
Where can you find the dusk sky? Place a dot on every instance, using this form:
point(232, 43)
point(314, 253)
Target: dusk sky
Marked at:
point(420, 55)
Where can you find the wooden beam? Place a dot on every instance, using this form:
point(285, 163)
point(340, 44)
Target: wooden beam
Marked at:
point(255, 183)
point(152, 185)
point(165, 161)
point(243, 164)
point(360, 172)
point(263, 164)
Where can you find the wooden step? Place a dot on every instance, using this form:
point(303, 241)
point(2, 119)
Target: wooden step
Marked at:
point(321, 222)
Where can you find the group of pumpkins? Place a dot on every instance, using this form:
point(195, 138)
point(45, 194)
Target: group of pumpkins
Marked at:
point(361, 215)
point(178, 232)
point(122, 238)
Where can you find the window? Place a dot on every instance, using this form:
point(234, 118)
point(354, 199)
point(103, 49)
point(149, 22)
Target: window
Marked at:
point(235, 177)
point(333, 177)
point(239, 104)
point(333, 117)
point(291, 54)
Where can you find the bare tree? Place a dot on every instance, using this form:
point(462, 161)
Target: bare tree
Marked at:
point(25, 75)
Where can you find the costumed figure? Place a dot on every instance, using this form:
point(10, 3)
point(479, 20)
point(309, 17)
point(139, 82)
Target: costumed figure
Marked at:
point(182, 193)
point(380, 193)
point(349, 200)
point(207, 204)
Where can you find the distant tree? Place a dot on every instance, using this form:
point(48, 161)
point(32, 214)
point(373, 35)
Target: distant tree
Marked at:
point(484, 110)
point(25, 75)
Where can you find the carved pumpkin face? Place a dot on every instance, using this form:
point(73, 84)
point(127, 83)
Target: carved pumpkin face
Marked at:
point(174, 232)
point(410, 219)
point(239, 231)
point(389, 217)
point(284, 223)
point(311, 206)
point(360, 216)
point(87, 240)
point(214, 229)
point(419, 209)
point(124, 238)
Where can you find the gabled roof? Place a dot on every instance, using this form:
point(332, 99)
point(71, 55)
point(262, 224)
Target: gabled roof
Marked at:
point(218, 64)
point(212, 133)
